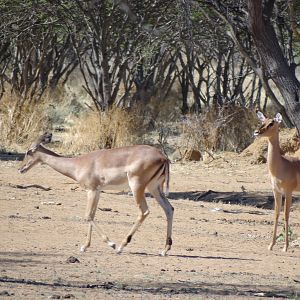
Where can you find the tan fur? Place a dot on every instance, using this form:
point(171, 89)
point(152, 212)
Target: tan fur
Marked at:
point(284, 173)
point(139, 166)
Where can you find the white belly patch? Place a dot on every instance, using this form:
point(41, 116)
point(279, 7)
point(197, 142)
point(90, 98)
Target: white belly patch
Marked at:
point(115, 187)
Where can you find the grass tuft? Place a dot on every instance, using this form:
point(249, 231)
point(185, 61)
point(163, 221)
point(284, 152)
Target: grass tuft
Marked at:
point(20, 123)
point(115, 128)
point(228, 128)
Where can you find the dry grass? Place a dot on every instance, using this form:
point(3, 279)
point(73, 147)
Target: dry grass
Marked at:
point(228, 128)
point(20, 123)
point(93, 130)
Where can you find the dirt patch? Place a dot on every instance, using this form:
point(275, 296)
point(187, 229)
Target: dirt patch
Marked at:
point(219, 249)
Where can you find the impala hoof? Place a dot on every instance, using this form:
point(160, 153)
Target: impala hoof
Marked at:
point(112, 244)
point(83, 249)
point(119, 250)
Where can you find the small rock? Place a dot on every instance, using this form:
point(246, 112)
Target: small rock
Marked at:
point(189, 249)
point(216, 209)
point(193, 155)
point(13, 216)
point(5, 293)
point(186, 154)
point(50, 203)
point(54, 297)
point(105, 209)
point(68, 296)
point(72, 260)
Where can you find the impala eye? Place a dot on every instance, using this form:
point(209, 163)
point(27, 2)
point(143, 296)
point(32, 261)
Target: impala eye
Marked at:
point(29, 152)
point(271, 124)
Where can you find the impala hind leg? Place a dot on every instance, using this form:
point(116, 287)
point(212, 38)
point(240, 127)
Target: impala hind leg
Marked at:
point(287, 207)
point(139, 195)
point(169, 211)
point(91, 208)
point(278, 204)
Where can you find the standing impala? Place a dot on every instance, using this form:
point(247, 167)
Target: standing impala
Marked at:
point(140, 166)
point(284, 172)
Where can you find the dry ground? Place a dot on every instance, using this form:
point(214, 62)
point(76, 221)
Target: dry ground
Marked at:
point(219, 250)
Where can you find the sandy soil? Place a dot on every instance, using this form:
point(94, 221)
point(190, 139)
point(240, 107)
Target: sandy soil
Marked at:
point(219, 250)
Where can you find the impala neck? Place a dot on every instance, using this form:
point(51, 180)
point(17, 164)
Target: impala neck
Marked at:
point(63, 165)
point(274, 153)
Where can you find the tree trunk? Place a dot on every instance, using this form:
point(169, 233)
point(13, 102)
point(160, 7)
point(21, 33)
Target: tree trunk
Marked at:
point(273, 60)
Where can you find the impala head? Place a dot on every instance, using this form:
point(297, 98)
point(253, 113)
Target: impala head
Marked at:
point(31, 158)
point(269, 126)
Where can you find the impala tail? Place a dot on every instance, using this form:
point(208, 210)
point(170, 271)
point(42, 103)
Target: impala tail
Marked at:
point(167, 176)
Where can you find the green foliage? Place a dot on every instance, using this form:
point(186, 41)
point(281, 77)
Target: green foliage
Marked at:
point(281, 236)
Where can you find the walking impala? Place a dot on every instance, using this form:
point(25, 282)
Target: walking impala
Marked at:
point(284, 172)
point(141, 166)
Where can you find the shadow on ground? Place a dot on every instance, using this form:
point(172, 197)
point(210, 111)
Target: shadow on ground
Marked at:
point(6, 156)
point(176, 288)
point(259, 200)
point(9, 259)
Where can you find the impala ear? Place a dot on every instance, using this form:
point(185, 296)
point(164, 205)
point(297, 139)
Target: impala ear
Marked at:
point(43, 139)
point(278, 118)
point(261, 116)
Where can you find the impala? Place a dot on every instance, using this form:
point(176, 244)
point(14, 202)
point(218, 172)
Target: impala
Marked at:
point(284, 172)
point(140, 166)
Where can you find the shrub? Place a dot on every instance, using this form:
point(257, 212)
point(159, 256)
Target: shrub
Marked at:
point(116, 127)
point(227, 128)
point(20, 123)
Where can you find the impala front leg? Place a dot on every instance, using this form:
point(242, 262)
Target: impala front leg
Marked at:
point(88, 239)
point(90, 211)
point(278, 203)
point(91, 208)
point(287, 207)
